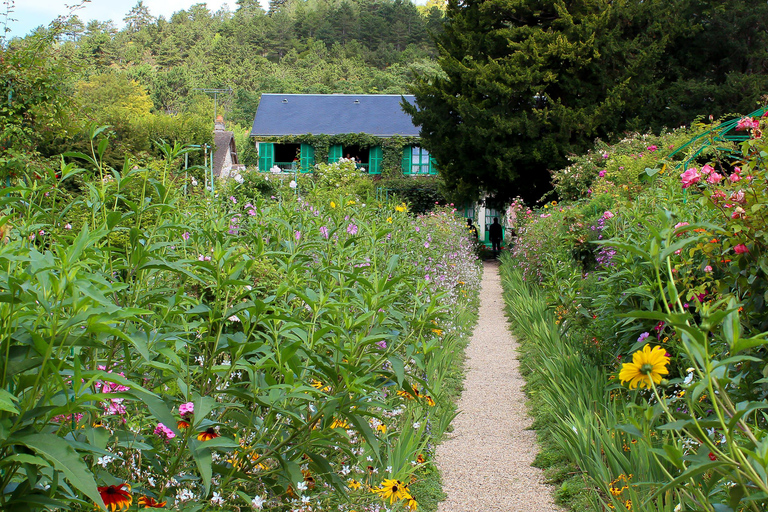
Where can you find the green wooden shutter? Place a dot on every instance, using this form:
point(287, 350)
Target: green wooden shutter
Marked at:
point(432, 166)
point(334, 153)
point(266, 155)
point(407, 160)
point(307, 158)
point(374, 160)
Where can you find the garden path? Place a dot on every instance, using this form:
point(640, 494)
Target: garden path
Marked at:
point(486, 460)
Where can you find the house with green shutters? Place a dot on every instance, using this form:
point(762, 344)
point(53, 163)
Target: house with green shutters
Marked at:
point(293, 132)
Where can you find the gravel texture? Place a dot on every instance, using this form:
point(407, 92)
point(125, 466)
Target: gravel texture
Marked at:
point(486, 460)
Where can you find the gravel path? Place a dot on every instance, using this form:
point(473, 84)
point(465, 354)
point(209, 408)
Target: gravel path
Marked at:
point(486, 460)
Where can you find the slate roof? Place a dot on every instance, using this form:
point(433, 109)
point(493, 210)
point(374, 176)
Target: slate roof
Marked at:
point(332, 114)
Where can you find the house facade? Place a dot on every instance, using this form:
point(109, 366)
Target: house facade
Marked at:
point(293, 132)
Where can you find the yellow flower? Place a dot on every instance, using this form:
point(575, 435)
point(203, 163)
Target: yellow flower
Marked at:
point(411, 504)
point(382, 428)
point(333, 205)
point(439, 332)
point(401, 208)
point(354, 484)
point(389, 220)
point(350, 202)
point(392, 490)
point(647, 365)
point(339, 424)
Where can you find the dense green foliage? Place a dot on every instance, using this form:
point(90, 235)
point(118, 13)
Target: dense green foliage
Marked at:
point(654, 253)
point(311, 331)
point(528, 82)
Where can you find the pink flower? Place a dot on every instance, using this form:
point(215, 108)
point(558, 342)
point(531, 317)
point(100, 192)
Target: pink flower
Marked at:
point(738, 213)
point(67, 226)
point(741, 249)
point(680, 225)
point(324, 231)
point(163, 431)
point(232, 198)
point(734, 177)
point(187, 408)
point(745, 123)
point(607, 214)
point(352, 229)
point(185, 236)
point(718, 194)
point(714, 178)
point(297, 234)
point(738, 196)
point(690, 176)
point(602, 173)
point(707, 169)
point(707, 269)
point(652, 148)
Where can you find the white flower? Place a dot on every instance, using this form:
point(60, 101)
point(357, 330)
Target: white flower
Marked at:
point(151, 481)
point(217, 499)
point(416, 425)
point(292, 184)
point(257, 502)
point(233, 318)
point(103, 461)
point(305, 499)
point(345, 470)
point(275, 169)
point(302, 486)
point(389, 469)
point(194, 182)
point(239, 178)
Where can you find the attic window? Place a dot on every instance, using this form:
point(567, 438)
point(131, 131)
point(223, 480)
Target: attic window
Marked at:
point(357, 102)
point(285, 100)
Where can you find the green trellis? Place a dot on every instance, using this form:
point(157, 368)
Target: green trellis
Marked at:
point(722, 133)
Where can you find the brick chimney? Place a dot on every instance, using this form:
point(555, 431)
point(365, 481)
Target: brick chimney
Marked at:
point(219, 124)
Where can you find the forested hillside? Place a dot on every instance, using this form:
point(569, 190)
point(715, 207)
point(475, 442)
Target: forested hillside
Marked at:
point(145, 79)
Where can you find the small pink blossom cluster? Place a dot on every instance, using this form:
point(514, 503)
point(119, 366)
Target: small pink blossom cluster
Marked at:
point(187, 408)
point(164, 432)
point(113, 406)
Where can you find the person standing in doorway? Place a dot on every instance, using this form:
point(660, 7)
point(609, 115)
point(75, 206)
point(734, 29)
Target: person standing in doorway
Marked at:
point(495, 233)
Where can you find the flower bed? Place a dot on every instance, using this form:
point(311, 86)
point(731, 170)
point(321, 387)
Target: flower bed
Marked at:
point(654, 323)
point(237, 352)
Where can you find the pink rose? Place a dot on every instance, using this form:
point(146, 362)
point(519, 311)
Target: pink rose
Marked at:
point(714, 178)
point(707, 169)
point(690, 176)
point(602, 173)
point(607, 215)
point(707, 269)
point(734, 177)
point(652, 148)
point(741, 249)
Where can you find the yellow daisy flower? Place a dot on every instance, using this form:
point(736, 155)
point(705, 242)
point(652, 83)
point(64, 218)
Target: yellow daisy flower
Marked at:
point(647, 365)
point(392, 490)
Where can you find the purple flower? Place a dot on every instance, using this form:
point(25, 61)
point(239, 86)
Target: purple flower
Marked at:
point(602, 173)
point(324, 231)
point(643, 336)
point(381, 344)
point(232, 198)
point(352, 229)
point(185, 236)
point(297, 234)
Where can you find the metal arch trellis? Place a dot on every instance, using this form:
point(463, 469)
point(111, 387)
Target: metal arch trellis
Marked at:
point(724, 132)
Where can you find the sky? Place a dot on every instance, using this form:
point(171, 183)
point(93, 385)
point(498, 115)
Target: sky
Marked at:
point(30, 14)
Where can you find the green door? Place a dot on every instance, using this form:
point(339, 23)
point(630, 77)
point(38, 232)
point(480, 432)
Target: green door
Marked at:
point(334, 153)
point(374, 160)
point(266, 156)
point(307, 158)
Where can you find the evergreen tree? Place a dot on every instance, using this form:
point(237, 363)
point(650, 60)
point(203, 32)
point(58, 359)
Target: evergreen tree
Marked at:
point(526, 82)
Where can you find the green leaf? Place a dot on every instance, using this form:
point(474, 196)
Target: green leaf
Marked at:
point(398, 368)
point(7, 402)
point(65, 459)
point(747, 343)
point(203, 459)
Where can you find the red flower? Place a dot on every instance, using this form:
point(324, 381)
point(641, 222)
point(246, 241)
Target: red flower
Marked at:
point(116, 496)
point(207, 435)
point(181, 424)
point(149, 502)
point(712, 456)
point(741, 249)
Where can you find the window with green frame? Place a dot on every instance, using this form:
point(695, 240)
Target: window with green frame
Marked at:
point(416, 161)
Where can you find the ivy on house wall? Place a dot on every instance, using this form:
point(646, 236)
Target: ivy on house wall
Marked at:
point(391, 147)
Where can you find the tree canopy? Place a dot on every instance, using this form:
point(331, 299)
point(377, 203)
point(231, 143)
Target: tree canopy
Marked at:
point(526, 82)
